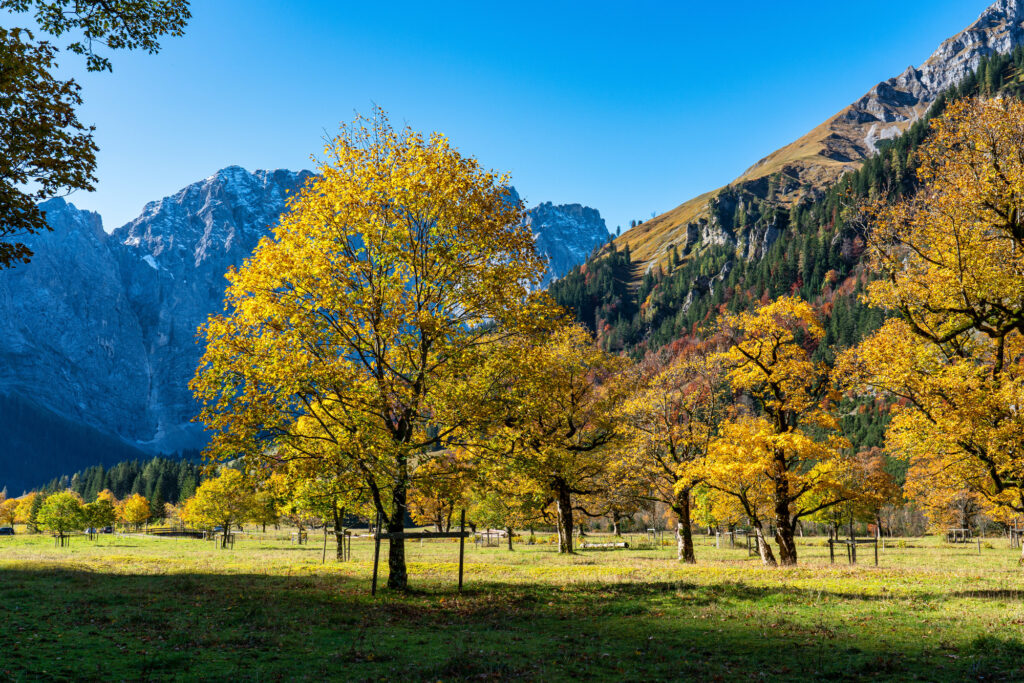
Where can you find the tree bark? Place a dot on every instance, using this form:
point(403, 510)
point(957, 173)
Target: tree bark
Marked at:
point(763, 549)
point(565, 517)
point(615, 523)
point(398, 577)
point(684, 540)
point(339, 533)
point(508, 530)
point(783, 522)
point(784, 536)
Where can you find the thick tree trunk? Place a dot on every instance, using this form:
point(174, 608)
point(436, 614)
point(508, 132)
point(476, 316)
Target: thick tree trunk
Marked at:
point(508, 530)
point(785, 536)
point(565, 518)
point(684, 540)
point(398, 577)
point(783, 522)
point(615, 524)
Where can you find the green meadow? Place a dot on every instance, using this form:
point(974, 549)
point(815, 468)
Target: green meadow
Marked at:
point(144, 608)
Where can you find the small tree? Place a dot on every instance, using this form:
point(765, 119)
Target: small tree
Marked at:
point(8, 511)
point(266, 508)
point(134, 511)
point(226, 499)
point(22, 510)
point(440, 488)
point(100, 513)
point(61, 513)
point(669, 421)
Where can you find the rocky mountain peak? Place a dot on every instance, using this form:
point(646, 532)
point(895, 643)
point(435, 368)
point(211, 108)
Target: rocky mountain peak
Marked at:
point(106, 324)
point(567, 234)
point(226, 212)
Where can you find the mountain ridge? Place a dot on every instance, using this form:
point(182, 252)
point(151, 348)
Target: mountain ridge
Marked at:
point(843, 142)
point(100, 328)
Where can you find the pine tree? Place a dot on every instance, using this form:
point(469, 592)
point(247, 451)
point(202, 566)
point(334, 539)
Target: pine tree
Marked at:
point(33, 513)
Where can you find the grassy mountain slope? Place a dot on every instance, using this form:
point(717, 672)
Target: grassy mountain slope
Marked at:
point(813, 163)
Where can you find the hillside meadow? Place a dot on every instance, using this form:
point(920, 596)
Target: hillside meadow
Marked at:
point(144, 608)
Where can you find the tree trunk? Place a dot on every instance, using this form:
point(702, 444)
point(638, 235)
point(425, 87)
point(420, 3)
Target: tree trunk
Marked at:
point(339, 533)
point(508, 530)
point(763, 549)
point(565, 517)
point(398, 577)
point(684, 540)
point(784, 536)
point(783, 522)
point(615, 523)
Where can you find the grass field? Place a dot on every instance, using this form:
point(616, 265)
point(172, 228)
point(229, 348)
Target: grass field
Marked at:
point(142, 608)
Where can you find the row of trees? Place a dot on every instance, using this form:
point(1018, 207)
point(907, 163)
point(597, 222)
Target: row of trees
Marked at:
point(64, 512)
point(386, 353)
point(388, 341)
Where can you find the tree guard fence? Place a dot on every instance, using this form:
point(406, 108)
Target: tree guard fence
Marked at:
point(851, 548)
point(461, 534)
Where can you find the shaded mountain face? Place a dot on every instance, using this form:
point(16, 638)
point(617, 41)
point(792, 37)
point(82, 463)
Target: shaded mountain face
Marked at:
point(98, 332)
point(802, 169)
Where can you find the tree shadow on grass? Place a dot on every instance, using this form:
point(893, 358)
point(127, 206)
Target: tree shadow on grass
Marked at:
point(76, 624)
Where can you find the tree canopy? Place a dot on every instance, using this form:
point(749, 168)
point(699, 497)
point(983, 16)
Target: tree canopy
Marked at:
point(45, 150)
point(350, 332)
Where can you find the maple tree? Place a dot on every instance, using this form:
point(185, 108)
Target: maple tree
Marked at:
point(226, 500)
point(782, 459)
point(133, 510)
point(871, 488)
point(8, 511)
point(320, 489)
point(499, 499)
point(558, 422)
point(23, 512)
point(62, 513)
point(389, 277)
point(951, 265)
point(669, 421)
point(100, 513)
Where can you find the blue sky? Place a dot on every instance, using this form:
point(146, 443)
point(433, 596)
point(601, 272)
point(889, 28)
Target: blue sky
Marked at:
point(631, 108)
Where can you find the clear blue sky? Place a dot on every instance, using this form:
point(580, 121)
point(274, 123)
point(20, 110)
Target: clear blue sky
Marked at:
point(631, 108)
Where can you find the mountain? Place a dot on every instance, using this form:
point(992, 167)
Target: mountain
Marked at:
point(804, 168)
point(567, 234)
point(97, 333)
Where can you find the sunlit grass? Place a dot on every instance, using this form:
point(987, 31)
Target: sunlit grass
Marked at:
point(139, 607)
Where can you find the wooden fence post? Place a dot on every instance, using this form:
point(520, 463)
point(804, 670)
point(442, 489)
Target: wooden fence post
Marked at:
point(376, 554)
point(462, 545)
